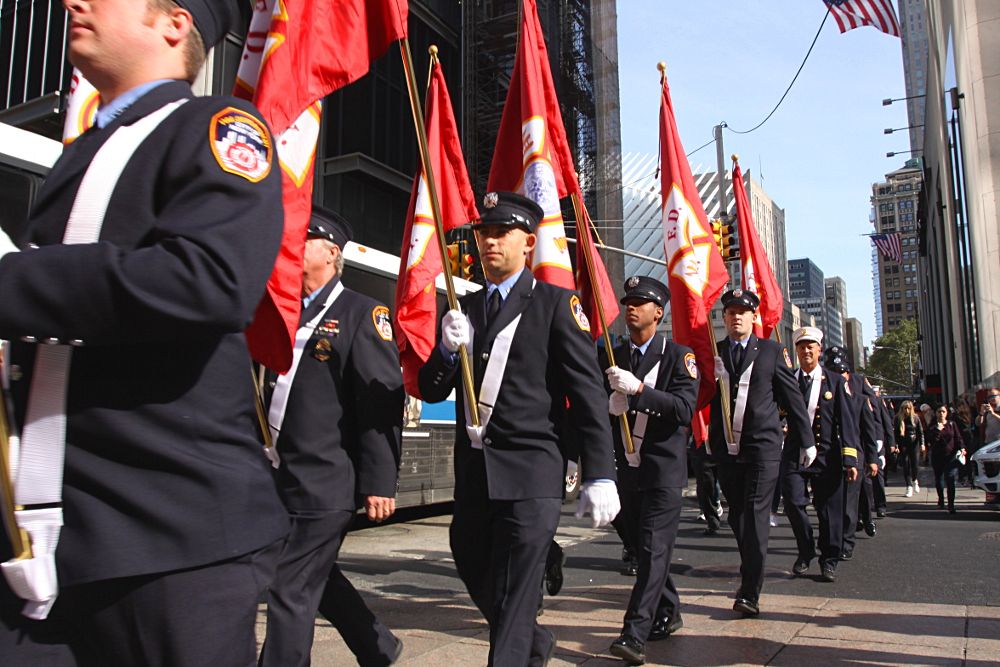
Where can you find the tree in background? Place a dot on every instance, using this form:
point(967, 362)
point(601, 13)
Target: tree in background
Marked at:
point(895, 361)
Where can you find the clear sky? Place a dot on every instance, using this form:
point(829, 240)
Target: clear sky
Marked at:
point(730, 60)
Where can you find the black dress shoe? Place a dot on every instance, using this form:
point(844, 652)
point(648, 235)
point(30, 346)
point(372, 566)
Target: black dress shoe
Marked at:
point(880, 513)
point(870, 529)
point(801, 566)
point(665, 626)
point(554, 569)
point(829, 573)
point(859, 527)
point(746, 607)
point(629, 649)
point(631, 568)
point(847, 554)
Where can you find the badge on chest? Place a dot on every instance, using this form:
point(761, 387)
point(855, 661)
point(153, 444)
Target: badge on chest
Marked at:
point(324, 333)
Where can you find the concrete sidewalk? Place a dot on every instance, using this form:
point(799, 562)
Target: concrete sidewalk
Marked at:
point(407, 576)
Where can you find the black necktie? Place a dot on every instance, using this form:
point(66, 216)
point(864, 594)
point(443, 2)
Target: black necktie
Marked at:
point(493, 306)
point(805, 382)
point(636, 358)
point(737, 357)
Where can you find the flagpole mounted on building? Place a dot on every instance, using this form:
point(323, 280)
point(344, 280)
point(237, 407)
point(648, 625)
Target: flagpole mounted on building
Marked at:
point(425, 162)
point(583, 221)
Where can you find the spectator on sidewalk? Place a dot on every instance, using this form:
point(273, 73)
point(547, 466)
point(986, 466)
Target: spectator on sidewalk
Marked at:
point(988, 420)
point(909, 431)
point(947, 454)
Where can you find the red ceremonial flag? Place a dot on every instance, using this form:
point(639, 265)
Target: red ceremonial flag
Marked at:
point(758, 276)
point(420, 257)
point(532, 155)
point(296, 53)
point(695, 269)
point(584, 244)
point(851, 14)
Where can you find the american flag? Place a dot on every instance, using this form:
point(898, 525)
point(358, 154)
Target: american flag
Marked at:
point(889, 245)
point(851, 14)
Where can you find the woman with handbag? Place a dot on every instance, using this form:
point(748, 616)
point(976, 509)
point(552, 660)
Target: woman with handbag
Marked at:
point(947, 453)
point(910, 443)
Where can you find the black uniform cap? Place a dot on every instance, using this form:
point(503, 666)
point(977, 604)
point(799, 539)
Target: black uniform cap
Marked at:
point(646, 289)
point(740, 297)
point(835, 359)
point(509, 209)
point(325, 224)
point(212, 18)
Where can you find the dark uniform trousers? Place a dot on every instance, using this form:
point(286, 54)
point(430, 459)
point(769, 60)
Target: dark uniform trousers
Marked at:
point(627, 522)
point(508, 495)
point(339, 442)
point(706, 487)
point(749, 479)
point(870, 434)
point(656, 482)
point(169, 505)
point(835, 430)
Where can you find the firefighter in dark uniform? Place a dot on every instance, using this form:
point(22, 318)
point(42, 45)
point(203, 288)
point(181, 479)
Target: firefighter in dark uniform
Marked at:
point(873, 502)
point(336, 417)
point(835, 360)
point(760, 380)
point(147, 250)
point(531, 349)
point(836, 435)
point(656, 384)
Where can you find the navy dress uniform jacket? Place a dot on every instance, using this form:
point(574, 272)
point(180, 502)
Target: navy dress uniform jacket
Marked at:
point(835, 431)
point(163, 468)
point(340, 437)
point(771, 382)
point(669, 407)
point(551, 358)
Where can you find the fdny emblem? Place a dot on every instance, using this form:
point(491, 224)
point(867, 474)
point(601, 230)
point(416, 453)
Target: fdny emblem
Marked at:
point(788, 359)
point(490, 200)
point(577, 309)
point(737, 292)
point(633, 282)
point(691, 364)
point(321, 352)
point(827, 396)
point(383, 322)
point(241, 144)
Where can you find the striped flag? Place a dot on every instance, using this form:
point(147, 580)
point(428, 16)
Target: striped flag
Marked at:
point(851, 14)
point(889, 245)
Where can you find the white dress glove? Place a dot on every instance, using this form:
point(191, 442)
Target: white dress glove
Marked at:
point(617, 403)
point(454, 330)
point(6, 245)
point(600, 499)
point(720, 368)
point(806, 456)
point(623, 381)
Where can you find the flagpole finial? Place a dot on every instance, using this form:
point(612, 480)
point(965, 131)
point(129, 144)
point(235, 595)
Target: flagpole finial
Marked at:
point(432, 49)
point(736, 158)
point(661, 66)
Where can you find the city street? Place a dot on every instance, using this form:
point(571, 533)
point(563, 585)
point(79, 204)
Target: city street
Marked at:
point(924, 591)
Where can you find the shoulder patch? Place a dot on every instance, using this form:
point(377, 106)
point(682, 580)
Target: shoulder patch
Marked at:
point(382, 322)
point(241, 144)
point(576, 308)
point(691, 364)
point(788, 359)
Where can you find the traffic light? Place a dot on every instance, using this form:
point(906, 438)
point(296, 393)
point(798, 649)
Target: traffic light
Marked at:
point(454, 255)
point(724, 232)
point(467, 260)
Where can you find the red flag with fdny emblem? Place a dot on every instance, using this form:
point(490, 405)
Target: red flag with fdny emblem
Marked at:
point(532, 155)
point(420, 258)
point(296, 53)
point(758, 277)
point(696, 271)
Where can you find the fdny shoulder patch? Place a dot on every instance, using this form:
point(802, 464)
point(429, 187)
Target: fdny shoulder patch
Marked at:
point(382, 321)
point(241, 144)
point(691, 364)
point(576, 308)
point(788, 359)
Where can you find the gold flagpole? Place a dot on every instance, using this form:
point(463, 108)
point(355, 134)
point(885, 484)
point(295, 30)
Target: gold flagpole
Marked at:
point(20, 542)
point(265, 430)
point(583, 218)
point(425, 162)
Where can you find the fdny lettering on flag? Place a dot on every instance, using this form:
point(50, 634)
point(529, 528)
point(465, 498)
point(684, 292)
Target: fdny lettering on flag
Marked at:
point(383, 322)
point(577, 309)
point(788, 359)
point(241, 144)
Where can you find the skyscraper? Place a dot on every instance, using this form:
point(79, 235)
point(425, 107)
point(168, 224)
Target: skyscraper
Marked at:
point(915, 43)
point(894, 208)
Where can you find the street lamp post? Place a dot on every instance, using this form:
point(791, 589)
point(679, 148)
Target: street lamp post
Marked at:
point(909, 358)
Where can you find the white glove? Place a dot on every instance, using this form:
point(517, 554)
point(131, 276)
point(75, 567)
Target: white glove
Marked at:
point(617, 403)
point(454, 330)
point(6, 245)
point(600, 499)
point(720, 368)
point(806, 456)
point(623, 381)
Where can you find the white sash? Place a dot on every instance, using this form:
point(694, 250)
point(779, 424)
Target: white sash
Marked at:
point(641, 419)
point(283, 385)
point(492, 379)
point(813, 403)
point(742, 389)
point(39, 473)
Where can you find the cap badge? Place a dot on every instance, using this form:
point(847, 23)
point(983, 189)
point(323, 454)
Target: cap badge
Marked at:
point(737, 292)
point(491, 199)
point(633, 282)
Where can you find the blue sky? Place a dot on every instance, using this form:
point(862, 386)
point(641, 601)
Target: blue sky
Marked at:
point(824, 147)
